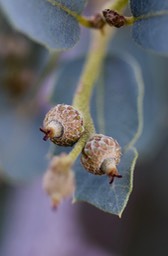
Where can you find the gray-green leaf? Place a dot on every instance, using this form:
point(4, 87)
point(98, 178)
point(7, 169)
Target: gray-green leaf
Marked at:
point(116, 108)
point(150, 29)
point(47, 24)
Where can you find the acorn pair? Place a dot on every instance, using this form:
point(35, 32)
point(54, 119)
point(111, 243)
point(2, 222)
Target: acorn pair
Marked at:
point(64, 126)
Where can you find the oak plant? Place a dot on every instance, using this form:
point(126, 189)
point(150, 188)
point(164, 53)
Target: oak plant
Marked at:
point(97, 101)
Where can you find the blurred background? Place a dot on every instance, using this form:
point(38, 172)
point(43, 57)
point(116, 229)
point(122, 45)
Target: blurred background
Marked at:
point(28, 226)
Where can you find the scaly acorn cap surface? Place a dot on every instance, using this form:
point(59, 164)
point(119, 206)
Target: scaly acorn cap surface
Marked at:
point(63, 125)
point(100, 156)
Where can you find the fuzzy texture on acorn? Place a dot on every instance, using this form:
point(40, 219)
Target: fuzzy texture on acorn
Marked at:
point(58, 181)
point(63, 125)
point(100, 156)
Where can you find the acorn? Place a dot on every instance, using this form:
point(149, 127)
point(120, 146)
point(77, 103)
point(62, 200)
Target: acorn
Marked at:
point(101, 155)
point(63, 125)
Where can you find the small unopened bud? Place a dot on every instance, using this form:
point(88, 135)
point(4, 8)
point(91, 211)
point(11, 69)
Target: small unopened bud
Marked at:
point(58, 180)
point(114, 18)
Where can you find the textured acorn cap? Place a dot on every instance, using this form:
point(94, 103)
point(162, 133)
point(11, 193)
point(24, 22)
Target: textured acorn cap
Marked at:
point(100, 156)
point(63, 125)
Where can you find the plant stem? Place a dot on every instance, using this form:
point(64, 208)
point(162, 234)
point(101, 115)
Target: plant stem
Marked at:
point(118, 5)
point(88, 22)
point(81, 19)
point(90, 74)
point(130, 20)
point(83, 93)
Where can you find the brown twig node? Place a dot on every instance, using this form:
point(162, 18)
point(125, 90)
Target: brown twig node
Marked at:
point(97, 21)
point(113, 18)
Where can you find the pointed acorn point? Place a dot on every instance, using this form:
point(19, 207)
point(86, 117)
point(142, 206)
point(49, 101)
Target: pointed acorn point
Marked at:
point(46, 132)
point(109, 167)
point(114, 176)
